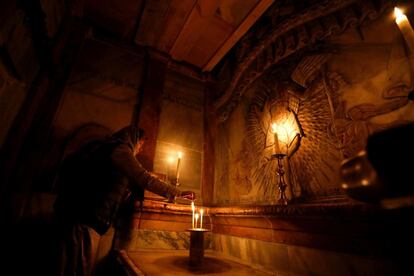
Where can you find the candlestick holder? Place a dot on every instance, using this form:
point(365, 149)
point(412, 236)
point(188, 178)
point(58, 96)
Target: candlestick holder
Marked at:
point(281, 173)
point(196, 257)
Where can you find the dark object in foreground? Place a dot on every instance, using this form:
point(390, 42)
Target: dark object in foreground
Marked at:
point(384, 170)
point(197, 247)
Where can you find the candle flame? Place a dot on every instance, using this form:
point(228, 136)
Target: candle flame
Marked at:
point(192, 218)
point(196, 216)
point(286, 129)
point(179, 154)
point(201, 218)
point(399, 15)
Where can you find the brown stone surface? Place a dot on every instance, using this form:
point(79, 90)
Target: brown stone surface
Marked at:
point(356, 230)
point(149, 115)
point(175, 262)
point(346, 95)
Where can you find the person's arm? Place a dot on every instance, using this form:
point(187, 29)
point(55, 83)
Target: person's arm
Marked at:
point(124, 160)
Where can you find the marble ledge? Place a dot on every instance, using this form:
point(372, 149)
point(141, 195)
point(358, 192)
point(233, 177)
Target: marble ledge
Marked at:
point(349, 209)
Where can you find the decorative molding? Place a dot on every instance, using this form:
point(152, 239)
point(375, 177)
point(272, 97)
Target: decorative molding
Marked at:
point(332, 225)
point(297, 32)
point(337, 206)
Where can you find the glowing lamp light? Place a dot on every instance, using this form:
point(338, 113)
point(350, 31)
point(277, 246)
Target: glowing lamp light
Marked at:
point(287, 133)
point(399, 15)
point(405, 28)
point(284, 132)
point(197, 215)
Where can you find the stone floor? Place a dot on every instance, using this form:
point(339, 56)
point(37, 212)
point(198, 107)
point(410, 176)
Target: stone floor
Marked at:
point(175, 262)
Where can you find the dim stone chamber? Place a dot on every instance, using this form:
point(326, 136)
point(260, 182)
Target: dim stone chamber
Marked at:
point(271, 229)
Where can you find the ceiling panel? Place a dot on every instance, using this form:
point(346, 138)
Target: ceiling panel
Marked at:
point(198, 32)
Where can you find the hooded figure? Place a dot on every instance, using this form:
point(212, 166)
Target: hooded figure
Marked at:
point(93, 183)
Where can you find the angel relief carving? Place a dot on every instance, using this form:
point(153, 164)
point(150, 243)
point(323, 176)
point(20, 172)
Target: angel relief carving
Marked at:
point(269, 106)
point(311, 166)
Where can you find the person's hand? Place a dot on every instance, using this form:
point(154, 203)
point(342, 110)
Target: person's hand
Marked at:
point(188, 195)
point(171, 199)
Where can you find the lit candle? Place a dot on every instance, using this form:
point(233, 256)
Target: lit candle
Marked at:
point(179, 155)
point(193, 209)
point(275, 138)
point(201, 218)
point(405, 28)
point(196, 219)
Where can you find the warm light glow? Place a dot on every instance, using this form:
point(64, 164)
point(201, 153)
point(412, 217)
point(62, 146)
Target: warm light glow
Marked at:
point(364, 182)
point(275, 139)
point(399, 15)
point(193, 209)
point(170, 159)
point(196, 219)
point(274, 128)
point(201, 218)
point(177, 174)
point(405, 28)
point(285, 130)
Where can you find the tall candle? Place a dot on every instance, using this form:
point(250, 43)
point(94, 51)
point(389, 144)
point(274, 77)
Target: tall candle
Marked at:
point(196, 219)
point(275, 138)
point(193, 209)
point(201, 218)
point(405, 28)
point(179, 155)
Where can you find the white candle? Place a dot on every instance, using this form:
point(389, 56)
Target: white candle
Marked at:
point(179, 156)
point(193, 209)
point(275, 138)
point(201, 218)
point(196, 219)
point(405, 28)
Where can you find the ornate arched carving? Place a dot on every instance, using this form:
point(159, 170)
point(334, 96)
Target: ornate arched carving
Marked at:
point(319, 21)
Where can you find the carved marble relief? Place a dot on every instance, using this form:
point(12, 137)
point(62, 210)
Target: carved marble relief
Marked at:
point(283, 37)
point(353, 85)
point(311, 170)
point(354, 125)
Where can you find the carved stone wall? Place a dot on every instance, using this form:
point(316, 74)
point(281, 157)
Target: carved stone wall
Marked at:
point(350, 86)
point(300, 28)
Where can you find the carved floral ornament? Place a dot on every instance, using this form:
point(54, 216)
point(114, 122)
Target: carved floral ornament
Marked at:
point(320, 21)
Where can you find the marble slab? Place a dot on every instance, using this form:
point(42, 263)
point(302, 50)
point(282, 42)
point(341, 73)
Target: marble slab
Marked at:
point(150, 239)
point(282, 259)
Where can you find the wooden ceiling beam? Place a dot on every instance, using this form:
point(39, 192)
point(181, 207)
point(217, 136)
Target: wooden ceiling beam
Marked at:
point(250, 19)
point(197, 21)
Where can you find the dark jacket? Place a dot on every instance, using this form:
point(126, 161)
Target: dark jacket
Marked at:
point(95, 180)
